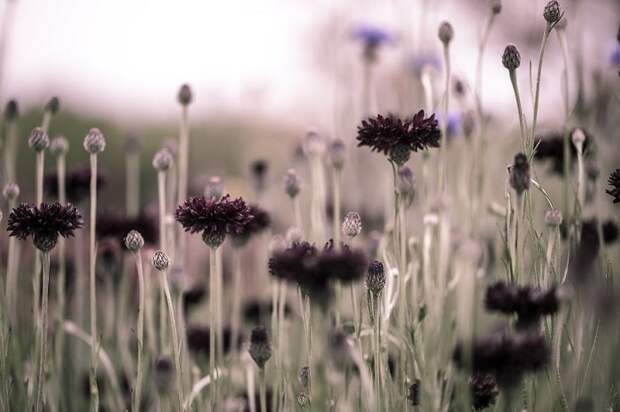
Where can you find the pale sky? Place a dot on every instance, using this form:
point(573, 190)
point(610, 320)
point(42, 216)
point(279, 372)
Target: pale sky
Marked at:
point(127, 58)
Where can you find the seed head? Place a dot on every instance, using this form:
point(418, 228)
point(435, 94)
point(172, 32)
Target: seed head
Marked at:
point(161, 261)
point(11, 110)
point(352, 224)
point(552, 12)
point(185, 95)
point(134, 241)
point(520, 174)
point(496, 6)
point(511, 59)
point(53, 105)
point(375, 281)
point(553, 218)
point(162, 160)
point(446, 32)
point(303, 400)
point(94, 142)
point(39, 140)
point(214, 188)
point(337, 153)
point(260, 347)
point(484, 390)
point(59, 146)
point(11, 191)
point(292, 183)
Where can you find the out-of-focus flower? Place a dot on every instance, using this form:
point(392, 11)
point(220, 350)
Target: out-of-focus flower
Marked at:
point(198, 340)
point(551, 148)
point(44, 223)
point(116, 225)
point(163, 375)
point(352, 224)
point(59, 146)
point(163, 160)
point(185, 95)
point(11, 191)
point(389, 134)
point(53, 105)
point(507, 357)
point(260, 347)
point(11, 110)
point(77, 184)
point(292, 183)
point(483, 391)
point(259, 169)
point(614, 185)
point(337, 153)
point(259, 222)
point(372, 38)
point(214, 189)
point(421, 61)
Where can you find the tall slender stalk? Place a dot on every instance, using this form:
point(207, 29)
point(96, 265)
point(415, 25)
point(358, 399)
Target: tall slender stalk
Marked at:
point(140, 334)
point(183, 165)
point(446, 106)
point(39, 397)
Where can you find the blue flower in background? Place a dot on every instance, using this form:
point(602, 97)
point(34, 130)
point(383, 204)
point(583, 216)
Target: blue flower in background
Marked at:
point(454, 124)
point(419, 61)
point(614, 58)
point(372, 38)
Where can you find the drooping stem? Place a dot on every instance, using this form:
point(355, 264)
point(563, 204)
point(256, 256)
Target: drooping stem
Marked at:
point(39, 399)
point(140, 334)
point(175, 338)
point(93, 292)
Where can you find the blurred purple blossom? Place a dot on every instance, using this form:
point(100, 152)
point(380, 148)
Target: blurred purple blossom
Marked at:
point(614, 57)
point(417, 62)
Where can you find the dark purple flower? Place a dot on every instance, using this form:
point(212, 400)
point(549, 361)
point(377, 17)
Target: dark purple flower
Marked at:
point(44, 223)
point(213, 217)
point(77, 184)
point(387, 134)
point(614, 183)
point(483, 390)
point(116, 226)
point(198, 340)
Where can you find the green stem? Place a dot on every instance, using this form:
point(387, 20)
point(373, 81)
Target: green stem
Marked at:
point(140, 368)
point(515, 87)
point(93, 293)
point(213, 317)
point(60, 285)
point(175, 338)
point(39, 399)
point(262, 390)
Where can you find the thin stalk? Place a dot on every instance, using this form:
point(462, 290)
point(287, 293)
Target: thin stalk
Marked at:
point(263, 389)
point(336, 234)
point(444, 125)
point(132, 195)
point(236, 296)
point(10, 152)
point(566, 97)
point(39, 399)
point(175, 338)
point(537, 89)
point(580, 180)
point(515, 87)
point(60, 285)
point(212, 316)
point(140, 334)
point(183, 171)
point(11, 277)
point(481, 48)
point(93, 292)
point(161, 190)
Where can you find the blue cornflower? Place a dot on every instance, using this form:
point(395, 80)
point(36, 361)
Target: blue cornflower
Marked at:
point(372, 38)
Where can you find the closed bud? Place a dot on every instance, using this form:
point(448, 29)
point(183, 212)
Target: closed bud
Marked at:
point(313, 144)
point(162, 160)
point(164, 374)
point(303, 401)
point(578, 137)
point(375, 281)
point(94, 142)
point(134, 241)
point(161, 261)
point(520, 174)
point(132, 143)
point(185, 95)
point(260, 347)
point(511, 59)
point(446, 32)
point(53, 105)
point(11, 191)
point(352, 224)
point(552, 12)
point(553, 218)
point(292, 183)
point(11, 110)
point(59, 146)
point(337, 153)
point(39, 140)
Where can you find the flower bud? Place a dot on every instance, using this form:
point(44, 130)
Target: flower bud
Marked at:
point(337, 153)
point(11, 110)
point(163, 374)
point(313, 144)
point(94, 142)
point(11, 191)
point(134, 241)
point(260, 347)
point(552, 12)
point(292, 183)
point(259, 170)
point(53, 105)
point(578, 137)
point(59, 146)
point(185, 95)
point(352, 224)
point(162, 160)
point(446, 32)
point(400, 154)
point(303, 401)
point(496, 6)
point(161, 261)
point(520, 174)
point(375, 281)
point(553, 218)
point(304, 377)
point(511, 59)
point(38, 141)
point(413, 394)
point(213, 239)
